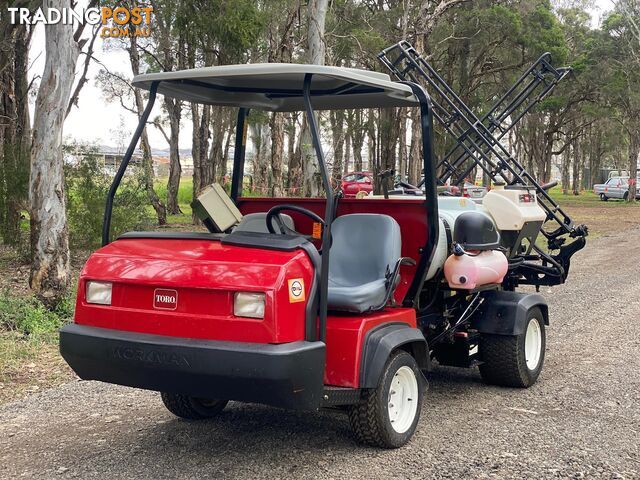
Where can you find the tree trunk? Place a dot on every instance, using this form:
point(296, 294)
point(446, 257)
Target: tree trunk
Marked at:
point(147, 158)
point(415, 152)
point(634, 151)
point(337, 137)
point(295, 164)
point(315, 36)
point(578, 154)
point(174, 109)
point(202, 169)
point(291, 147)
point(316, 15)
point(15, 135)
point(295, 159)
point(388, 128)
point(260, 165)
point(357, 140)
point(277, 153)
point(402, 144)
point(219, 123)
point(347, 153)
point(221, 169)
point(566, 164)
point(49, 233)
point(374, 160)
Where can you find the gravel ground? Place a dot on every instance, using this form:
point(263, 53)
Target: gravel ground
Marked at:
point(581, 420)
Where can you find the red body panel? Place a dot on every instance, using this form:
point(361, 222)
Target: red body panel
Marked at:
point(205, 274)
point(345, 340)
point(411, 215)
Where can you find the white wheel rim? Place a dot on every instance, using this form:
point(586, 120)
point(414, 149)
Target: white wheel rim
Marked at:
point(403, 399)
point(533, 344)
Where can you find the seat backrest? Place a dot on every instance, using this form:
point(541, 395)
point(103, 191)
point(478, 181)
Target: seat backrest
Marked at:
point(257, 222)
point(365, 247)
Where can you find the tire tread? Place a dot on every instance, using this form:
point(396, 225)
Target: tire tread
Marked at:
point(367, 420)
point(501, 363)
point(182, 406)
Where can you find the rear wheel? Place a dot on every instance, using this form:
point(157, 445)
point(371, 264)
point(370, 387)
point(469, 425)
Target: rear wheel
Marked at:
point(625, 197)
point(192, 408)
point(389, 414)
point(515, 360)
point(603, 197)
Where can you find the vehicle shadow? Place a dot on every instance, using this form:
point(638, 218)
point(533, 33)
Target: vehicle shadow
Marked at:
point(249, 438)
point(292, 443)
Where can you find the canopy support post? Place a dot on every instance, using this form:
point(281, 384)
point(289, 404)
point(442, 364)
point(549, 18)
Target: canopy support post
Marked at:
point(106, 224)
point(237, 177)
point(329, 210)
point(431, 193)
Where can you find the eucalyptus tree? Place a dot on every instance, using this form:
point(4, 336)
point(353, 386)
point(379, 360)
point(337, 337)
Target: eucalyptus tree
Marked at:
point(620, 51)
point(49, 232)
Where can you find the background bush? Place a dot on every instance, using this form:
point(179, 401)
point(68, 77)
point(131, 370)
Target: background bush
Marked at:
point(87, 187)
point(28, 316)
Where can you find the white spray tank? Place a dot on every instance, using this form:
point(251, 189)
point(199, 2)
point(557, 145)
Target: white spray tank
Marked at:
point(517, 216)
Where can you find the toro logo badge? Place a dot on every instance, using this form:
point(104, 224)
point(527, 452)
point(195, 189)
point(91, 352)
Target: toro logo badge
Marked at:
point(296, 290)
point(165, 299)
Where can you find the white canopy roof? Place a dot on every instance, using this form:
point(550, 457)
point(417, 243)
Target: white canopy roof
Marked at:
point(279, 87)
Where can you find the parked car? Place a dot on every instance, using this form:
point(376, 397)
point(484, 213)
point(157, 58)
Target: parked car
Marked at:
point(355, 182)
point(615, 187)
point(448, 190)
point(470, 190)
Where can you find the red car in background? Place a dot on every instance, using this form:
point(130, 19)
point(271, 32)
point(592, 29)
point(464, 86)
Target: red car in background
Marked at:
point(355, 182)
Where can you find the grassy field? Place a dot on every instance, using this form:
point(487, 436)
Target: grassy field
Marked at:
point(29, 358)
point(601, 217)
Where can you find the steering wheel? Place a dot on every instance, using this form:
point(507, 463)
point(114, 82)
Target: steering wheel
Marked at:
point(274, 214)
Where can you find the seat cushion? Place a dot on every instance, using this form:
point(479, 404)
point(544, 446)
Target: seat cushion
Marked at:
point(356, 298)
point(365, 249)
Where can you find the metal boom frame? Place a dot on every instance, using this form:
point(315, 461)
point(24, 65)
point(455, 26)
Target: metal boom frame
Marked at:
point(474, 136)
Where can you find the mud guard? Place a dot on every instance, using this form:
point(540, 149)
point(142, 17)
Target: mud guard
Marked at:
point(505, 313)
point(379, 344)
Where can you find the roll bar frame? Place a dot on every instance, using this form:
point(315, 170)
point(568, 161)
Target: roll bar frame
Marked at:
point(427, 251)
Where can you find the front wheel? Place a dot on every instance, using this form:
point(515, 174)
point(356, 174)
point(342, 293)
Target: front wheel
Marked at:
point(515, 360)
point(192, 408)
point(389, 414)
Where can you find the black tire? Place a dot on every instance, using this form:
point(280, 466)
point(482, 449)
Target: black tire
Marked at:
point(504, 359)
point(625, 197)
point(192, 408)
point(603, 197)
point(370, 419)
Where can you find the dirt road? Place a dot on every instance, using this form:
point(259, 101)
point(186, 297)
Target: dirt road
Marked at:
point(581, 420)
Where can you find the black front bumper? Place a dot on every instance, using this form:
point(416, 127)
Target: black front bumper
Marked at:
point(285, 375)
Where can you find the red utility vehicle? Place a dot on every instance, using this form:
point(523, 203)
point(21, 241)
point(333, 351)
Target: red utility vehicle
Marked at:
point(355, 182)
point(262, 310)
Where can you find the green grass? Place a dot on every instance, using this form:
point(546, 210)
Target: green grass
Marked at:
point(185, 196)
point(586, 198)
point(26, 315)
point(29, 357)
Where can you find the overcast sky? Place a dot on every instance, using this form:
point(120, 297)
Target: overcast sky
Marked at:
point(98, 120)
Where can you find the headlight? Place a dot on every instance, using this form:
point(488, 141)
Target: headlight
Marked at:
point(248, 304)
point(98, 292)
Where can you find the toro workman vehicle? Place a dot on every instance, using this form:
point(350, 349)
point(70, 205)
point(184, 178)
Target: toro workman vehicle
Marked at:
point(306, 303)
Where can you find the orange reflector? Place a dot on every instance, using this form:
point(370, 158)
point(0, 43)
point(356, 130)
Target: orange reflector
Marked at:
point(317, 230)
